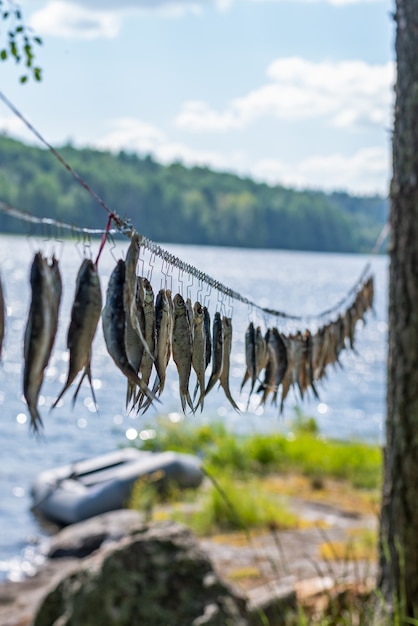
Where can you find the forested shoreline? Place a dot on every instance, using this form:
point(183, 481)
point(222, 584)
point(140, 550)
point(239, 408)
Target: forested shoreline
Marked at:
point(176, 204)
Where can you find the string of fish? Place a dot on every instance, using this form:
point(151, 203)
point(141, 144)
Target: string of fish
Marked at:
point(143, 332)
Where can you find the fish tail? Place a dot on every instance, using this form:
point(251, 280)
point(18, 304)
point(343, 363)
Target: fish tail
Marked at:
point(244, 380)
point(212, 382)
point(67, 384)
point(200, 402)
point(36, 423)
point(230, 398)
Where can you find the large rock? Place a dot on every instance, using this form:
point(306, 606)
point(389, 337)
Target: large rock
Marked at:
point(155, 576)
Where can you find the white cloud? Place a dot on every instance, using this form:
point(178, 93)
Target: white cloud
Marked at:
point(14, 127)
point(95, 19)
point(364, 172)
point(348, 93)
point(68, 20)
point(135, 135)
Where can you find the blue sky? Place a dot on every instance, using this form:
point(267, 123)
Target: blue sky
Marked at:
point(295, 92)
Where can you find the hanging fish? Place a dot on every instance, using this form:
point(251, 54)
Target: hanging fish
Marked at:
point(133, 302)
point(39, 334)
point(208, 338)
point(56, 298)
point(227, 345)
point(218, 349)
point(2, 317)
point(147, 296)
point(199, 351)
point(208, 344)
point(270, 375)
point(279, 347)
point(163, 328)
point(250, 361)
point(182, 349)
point(85, 315)
point(307, 378)
point(113, 322)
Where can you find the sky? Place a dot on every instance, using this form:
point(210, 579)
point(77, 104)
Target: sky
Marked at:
point(291, 92)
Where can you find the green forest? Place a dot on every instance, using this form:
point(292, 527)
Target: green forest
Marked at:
point(177, 204)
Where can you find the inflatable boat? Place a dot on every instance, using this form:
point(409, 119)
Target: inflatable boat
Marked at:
point(75, 492)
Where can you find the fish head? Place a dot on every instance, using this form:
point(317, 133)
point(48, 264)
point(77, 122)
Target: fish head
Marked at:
point(179, 304)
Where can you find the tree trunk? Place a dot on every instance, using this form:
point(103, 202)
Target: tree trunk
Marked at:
point(398, 557)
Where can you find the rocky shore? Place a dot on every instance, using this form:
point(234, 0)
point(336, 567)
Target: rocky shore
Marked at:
point(115, 570)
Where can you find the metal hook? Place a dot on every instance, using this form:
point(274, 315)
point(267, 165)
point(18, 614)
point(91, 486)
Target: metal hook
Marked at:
point(151, 264)
point(230, 305)
point(110, 238)
point(199, 287)
point(180, 282)
point(189, 286)
point(207, 295)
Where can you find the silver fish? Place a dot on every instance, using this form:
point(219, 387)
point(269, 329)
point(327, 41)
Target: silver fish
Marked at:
point(85, 315)
point(227, 345)
point(199, 350)
point(269, 384)
point(218, 350)
point(131, 297)
point(182, 349)
point(278, 344)
point(208, 342)
point(163, 327)
point(113, 321)
point(39, 335)
point(251, 371)
point(147, 362)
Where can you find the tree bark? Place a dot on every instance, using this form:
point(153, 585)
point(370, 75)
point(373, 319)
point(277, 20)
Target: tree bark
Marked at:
point(398, 545)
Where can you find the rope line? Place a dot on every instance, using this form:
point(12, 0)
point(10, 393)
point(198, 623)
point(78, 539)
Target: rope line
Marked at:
point(172, 260)
point(125, 227)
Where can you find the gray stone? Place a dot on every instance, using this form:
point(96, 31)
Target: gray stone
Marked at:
point(157, 575)
point(80, 540)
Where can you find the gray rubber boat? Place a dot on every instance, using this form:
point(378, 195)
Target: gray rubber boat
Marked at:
point(75, 492)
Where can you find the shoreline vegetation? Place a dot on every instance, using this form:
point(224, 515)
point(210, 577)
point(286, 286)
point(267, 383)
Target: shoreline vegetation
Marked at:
point(176, 204)
point(270, 467)
point(262, 490)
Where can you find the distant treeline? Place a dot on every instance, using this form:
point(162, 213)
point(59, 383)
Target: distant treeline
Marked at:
point(176, 204)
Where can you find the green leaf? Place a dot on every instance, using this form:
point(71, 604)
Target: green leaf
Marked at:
point(23, 79)
point(37, 73)
point(19, 29)
point(5, 15)
point(38, 40)
point(18, 14)
point(3, 55)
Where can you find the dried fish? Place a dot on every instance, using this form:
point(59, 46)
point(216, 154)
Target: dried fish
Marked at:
point(39, 334)
point(278, 344)
point(147, 296)
point(85, 315)
point(218, 347)
point(182, 349)
point(199, 351)
point(250, 360)
point(163, 327)
point(114, 321)
point(227, 345)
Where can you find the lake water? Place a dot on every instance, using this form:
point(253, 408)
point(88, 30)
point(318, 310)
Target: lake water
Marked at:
point(351, 401)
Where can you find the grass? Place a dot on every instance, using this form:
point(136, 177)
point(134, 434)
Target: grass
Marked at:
point(303, 451)
point(252, 478)
point(217, 508)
